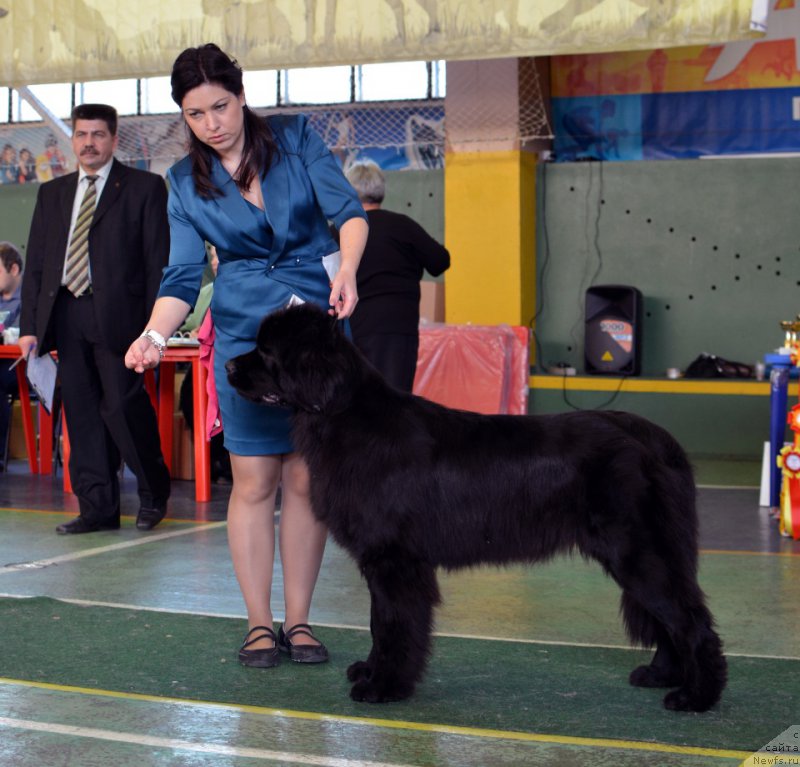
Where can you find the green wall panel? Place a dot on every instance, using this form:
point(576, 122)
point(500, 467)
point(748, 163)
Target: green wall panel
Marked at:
point(418, 194)
point(705, 424)
point(714, 246)
point(16, 210)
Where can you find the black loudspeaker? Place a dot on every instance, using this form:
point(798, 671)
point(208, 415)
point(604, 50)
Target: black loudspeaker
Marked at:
point(612, 341)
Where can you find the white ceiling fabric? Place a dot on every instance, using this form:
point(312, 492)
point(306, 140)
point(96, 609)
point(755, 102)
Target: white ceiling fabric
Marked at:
point(80, 40)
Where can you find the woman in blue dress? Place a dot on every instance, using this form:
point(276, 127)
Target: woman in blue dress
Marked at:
point(262, 192)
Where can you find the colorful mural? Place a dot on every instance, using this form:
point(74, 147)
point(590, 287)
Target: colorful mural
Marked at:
point(739, 98)
point(402, 136)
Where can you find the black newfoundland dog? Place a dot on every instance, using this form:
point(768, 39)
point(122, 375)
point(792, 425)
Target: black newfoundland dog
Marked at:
point(406, 485)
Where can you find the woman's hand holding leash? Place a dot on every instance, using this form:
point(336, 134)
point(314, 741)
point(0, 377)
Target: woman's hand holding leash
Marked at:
point(344, 294)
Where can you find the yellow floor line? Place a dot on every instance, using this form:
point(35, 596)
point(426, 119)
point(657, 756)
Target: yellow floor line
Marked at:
point(475, 732)
point(728, 487)
point(735, 553)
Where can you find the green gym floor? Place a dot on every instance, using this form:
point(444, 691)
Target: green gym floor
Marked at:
point(119, 648)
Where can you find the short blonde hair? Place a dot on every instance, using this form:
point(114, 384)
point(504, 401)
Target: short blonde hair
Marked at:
point(368, 180)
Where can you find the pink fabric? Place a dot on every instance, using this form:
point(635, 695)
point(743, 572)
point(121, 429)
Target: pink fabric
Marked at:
point(206, 335)
point(493, 358)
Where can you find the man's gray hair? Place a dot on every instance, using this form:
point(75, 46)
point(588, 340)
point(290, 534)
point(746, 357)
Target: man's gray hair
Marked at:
point(367, 179)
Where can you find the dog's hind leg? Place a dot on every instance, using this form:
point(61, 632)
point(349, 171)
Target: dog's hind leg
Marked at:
point(706, 667)
point(646, 539)
point(673, 615)
point(665, 669)
point(403, 594)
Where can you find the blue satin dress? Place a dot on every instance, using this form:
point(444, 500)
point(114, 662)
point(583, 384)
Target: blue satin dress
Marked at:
point(265, 257)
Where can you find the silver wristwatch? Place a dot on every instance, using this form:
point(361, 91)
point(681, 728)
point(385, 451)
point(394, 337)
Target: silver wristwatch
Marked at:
point(155, 338)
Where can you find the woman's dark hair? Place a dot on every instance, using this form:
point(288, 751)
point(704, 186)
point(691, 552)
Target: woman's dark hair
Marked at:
point(210, 64)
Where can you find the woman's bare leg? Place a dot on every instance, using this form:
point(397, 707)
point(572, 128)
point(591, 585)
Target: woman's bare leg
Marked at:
point(251, 533)
point(302, 541)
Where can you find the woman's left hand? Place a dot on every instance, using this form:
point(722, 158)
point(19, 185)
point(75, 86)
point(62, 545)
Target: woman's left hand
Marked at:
point(344, 294)
point(142, 355)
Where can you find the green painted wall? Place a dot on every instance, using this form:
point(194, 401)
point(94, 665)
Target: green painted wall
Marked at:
point(634, 223)
point(16, 210)
point(418, 194)
point(713, 246)
point(705, 424)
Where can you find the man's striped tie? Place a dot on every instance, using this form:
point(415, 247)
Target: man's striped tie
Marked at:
point(77, 278)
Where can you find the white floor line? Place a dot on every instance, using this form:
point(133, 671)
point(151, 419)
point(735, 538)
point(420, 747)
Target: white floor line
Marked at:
point(139, 739)
point(143, 608)
point(170, 610)
point(41, 563)
point(365, 629)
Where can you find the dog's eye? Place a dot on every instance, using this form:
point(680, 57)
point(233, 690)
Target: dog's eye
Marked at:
point(267, 358)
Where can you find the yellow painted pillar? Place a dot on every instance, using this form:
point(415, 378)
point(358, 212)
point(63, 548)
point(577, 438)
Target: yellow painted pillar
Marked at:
point(490, 198)
point(490, 231)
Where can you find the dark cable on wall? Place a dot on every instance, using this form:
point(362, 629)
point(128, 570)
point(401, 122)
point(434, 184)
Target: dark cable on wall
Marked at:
point(595, 407)
point(591, 246)
point(542, 275)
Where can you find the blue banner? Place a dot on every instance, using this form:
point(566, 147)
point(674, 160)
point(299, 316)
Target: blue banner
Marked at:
point(660, 126)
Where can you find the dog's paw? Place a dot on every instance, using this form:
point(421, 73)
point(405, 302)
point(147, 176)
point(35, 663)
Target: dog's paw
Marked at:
point(358, 670)
point(651, 676)
point(682, 700)
point(367, 691)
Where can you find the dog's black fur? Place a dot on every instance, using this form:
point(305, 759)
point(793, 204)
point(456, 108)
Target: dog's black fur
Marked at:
point(406, 485)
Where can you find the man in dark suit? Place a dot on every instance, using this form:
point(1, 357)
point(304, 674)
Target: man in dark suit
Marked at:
point(99, 240)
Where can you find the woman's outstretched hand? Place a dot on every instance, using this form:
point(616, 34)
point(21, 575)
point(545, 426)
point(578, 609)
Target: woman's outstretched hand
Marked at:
point(142, 355)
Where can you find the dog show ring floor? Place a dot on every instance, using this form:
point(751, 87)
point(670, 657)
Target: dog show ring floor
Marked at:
point(119, 648)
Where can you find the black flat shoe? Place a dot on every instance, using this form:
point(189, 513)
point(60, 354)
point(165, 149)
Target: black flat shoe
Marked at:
point(263, 658)
point(301, 653)
point(80, 525)
point(148, 518)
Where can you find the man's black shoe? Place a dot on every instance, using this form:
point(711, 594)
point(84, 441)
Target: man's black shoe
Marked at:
point(80, 525)
point(148, 518)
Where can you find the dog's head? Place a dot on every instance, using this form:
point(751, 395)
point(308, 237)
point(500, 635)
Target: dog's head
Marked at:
point(301, 360)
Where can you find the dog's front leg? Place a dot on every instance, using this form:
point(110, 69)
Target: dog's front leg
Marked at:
point(403, 594)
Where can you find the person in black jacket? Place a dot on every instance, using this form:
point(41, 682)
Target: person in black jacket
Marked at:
point(385, 323)
point(99, 241)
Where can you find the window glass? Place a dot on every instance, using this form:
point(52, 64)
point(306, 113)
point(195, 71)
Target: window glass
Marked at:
point(157, 96)
point(4, 115)
point(21, 110)
point(389, 82)
point(56, 97)
point(316, 85)
point(261, 88)
point(120, 94)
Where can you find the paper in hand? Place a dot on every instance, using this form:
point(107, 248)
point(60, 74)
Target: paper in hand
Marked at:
point(41, 373)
